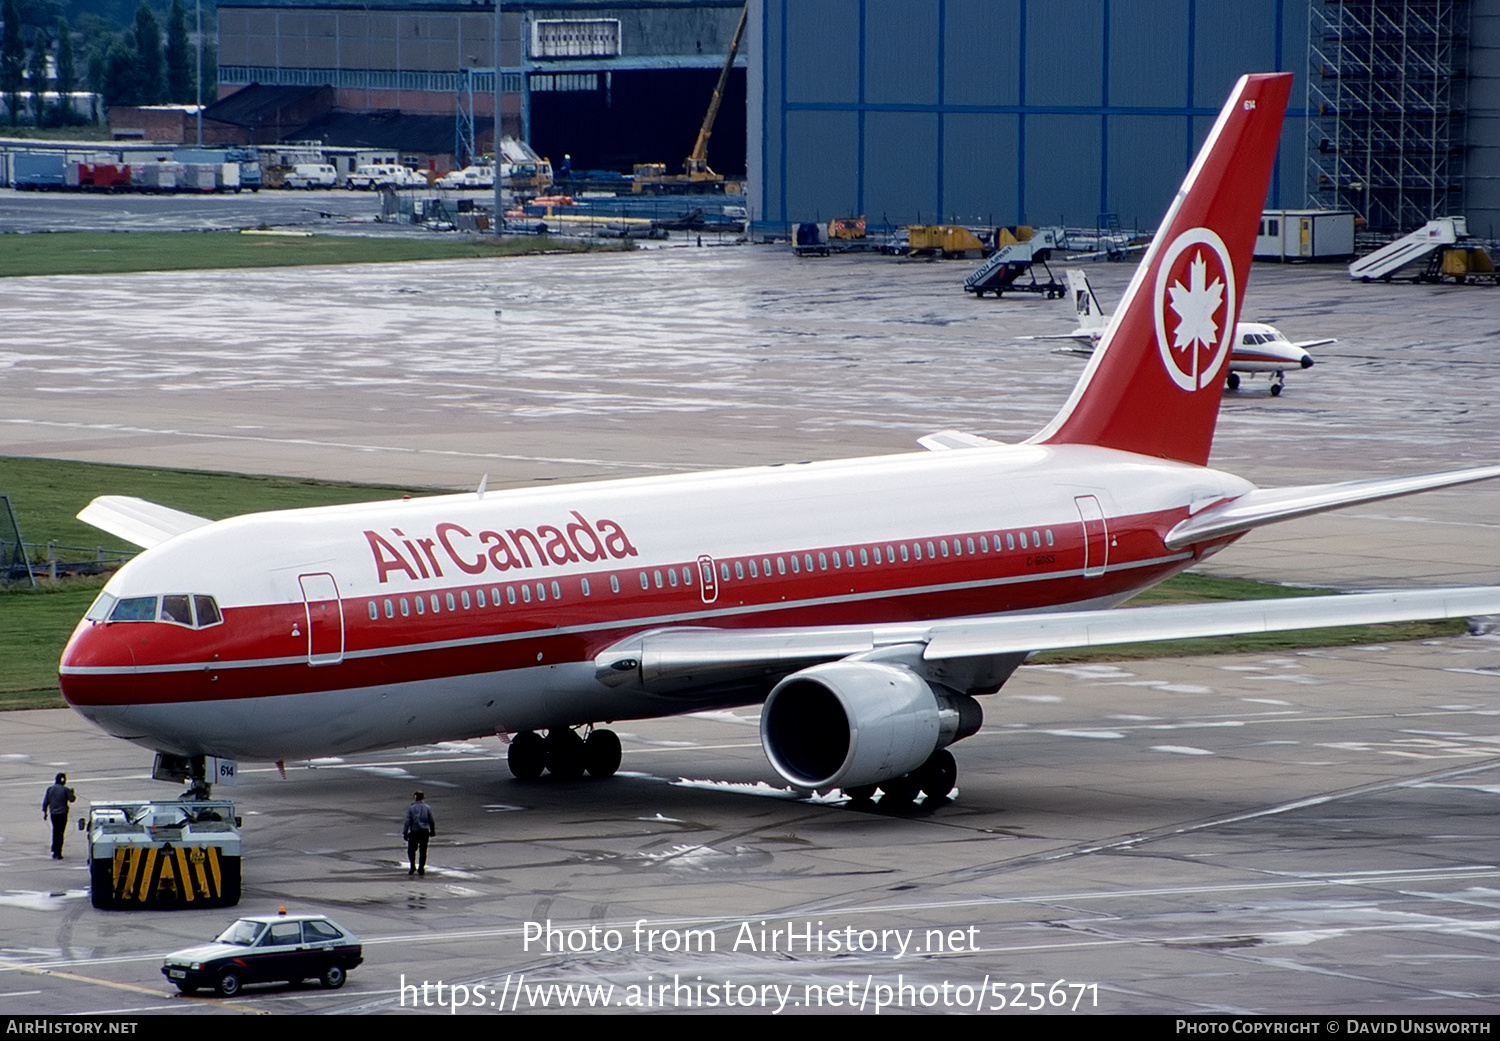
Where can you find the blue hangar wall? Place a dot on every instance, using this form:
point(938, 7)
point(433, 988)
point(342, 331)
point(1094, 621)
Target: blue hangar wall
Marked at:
point(1001, 111)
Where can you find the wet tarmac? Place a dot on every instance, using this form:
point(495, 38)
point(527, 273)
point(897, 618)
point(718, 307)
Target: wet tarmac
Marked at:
point(1314, 832)
point(1311, 833)
point(603, 365)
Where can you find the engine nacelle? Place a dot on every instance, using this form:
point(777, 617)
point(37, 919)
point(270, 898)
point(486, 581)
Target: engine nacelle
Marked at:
point(849, 723)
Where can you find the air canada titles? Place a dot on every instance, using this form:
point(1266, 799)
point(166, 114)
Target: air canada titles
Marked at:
point(419, 556)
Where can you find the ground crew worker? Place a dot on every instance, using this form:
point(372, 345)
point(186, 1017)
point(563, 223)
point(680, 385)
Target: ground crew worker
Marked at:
point(420, 826)
point(55, 806)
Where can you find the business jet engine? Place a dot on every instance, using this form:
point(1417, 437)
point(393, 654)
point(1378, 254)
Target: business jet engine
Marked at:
point(860, 724)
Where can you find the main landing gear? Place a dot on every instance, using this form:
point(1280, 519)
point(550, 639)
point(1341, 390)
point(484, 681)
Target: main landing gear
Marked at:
point(564, 753)
point(933, 779)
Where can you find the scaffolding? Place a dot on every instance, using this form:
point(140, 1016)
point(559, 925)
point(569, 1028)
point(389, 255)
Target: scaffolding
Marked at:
point(1385, 102)
point(465, 143)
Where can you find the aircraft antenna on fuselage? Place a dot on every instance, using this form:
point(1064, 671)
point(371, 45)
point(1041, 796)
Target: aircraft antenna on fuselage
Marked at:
point(1153, 386)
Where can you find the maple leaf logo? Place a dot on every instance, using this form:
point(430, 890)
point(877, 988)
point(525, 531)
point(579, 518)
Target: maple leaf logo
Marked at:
point(1195, 305)
point(1195, 349)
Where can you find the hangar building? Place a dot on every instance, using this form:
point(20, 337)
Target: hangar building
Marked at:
point(1058, 111)
point(612, 83)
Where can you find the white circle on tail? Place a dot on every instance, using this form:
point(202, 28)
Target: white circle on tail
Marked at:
point(1194, 304)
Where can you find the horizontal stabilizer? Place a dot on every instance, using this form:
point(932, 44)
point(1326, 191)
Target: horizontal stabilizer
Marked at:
point(137, 521)
point(1075, 629)
point(946, 439)
point(1267, 505)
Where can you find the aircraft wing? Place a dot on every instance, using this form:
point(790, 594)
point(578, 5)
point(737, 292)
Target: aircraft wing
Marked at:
point(137, 521)
point(944, 440)
point(1039, 632)
point(1308, 345)
point(1267, 505)
point(668, 660)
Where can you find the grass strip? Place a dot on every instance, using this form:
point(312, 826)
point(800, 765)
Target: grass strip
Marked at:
point(107, 253)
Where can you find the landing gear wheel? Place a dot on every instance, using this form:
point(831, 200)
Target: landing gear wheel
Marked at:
point(1232, 381)
point(565, 754)
point(527, 757)
point(601, 753)
point(102, 884)
point(1276, 389)
point(229, 893)
point(229, 985)
point(938, 775)
point(899, 791)
point(333, 977)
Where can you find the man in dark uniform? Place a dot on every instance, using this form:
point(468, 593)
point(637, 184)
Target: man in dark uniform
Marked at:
point(420, 826)
point(55, 806)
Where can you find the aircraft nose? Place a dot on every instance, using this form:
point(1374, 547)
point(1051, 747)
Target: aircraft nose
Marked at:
point(1307, 361)
point(97, 666)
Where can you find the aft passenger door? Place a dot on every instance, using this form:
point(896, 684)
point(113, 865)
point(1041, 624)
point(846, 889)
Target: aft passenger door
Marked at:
point(325, 619)
point(1095, 535)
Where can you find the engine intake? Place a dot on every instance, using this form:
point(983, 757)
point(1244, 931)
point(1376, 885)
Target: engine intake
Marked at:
point(849, 723)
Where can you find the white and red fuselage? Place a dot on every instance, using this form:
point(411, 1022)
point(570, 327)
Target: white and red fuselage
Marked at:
point(349, 628)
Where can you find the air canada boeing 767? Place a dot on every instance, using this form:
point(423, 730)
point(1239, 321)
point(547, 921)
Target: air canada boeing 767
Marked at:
point(869, 603)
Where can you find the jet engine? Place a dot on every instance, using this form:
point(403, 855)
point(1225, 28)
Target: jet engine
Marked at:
point(850, 724)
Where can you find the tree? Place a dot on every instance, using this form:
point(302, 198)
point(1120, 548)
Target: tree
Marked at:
point(151, 81)
point(12, 57)
point(180, 81)
point(118, 81)
point(67, 73)
point(37, 76)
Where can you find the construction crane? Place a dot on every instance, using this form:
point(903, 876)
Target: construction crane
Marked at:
point(696, 174)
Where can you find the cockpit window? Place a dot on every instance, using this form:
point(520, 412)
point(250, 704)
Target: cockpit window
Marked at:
point(177, 608)
point(102, 606)
point(134, 609)
point(208, 611)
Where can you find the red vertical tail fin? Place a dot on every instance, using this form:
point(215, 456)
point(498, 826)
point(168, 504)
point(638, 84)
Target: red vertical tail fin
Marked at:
point(1154, 383)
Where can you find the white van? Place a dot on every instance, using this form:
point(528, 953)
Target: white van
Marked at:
point(378, 175)
point(312, 175)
